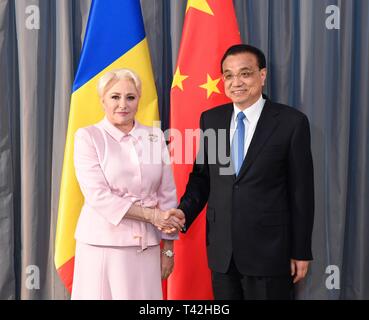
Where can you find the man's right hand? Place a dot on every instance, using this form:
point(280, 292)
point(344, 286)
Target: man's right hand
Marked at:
point(169, 221)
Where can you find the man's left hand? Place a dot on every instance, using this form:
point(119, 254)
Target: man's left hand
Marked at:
point(299, 269)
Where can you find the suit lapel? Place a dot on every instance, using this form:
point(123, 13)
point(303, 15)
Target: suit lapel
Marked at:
point(224, 123)
point(264, 128)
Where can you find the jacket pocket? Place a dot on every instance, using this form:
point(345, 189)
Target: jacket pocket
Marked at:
point(273, 149)
point(274, 219)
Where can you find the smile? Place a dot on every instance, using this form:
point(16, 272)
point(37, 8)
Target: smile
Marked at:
point(238, 92)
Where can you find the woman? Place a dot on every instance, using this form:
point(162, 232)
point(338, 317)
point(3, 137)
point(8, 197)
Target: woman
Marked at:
point(127, 183)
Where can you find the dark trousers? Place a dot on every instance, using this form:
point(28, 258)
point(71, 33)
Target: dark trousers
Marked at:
point(235, 286)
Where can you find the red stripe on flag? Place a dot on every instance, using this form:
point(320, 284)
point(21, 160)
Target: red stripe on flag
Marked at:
point(66, 274)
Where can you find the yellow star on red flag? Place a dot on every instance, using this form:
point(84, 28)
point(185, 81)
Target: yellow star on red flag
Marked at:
point(201, 5)
point(178, 78)
point(210, 85)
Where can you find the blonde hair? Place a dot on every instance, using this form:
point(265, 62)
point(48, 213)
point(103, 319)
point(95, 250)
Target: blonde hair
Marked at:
point(116, 75)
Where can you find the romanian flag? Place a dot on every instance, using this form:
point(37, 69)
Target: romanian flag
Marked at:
point(210, 28)
point(115, 38)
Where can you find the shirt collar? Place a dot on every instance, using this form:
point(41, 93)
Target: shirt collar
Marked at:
point(252, 113)
point(118, 134)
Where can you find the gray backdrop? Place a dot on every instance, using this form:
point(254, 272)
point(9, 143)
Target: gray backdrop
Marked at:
point(320, 71)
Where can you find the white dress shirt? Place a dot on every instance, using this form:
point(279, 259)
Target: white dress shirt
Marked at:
point(252, 114)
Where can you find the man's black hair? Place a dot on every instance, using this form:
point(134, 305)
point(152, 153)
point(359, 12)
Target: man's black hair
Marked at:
point(242, 48)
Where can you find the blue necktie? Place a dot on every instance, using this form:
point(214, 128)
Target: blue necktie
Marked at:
point(238, 142)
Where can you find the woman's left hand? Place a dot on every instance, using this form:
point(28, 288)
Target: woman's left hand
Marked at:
point(167, 263)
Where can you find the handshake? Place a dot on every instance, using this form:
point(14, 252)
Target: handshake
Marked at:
point(168, 221)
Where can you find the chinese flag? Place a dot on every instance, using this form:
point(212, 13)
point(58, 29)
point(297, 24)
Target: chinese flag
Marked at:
point(210, 28)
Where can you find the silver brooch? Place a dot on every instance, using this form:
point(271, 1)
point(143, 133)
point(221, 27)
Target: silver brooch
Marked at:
point(153, 137)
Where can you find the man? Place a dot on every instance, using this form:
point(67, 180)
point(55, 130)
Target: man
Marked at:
point(259, 217)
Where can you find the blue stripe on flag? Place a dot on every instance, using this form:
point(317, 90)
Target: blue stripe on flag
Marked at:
point(113, 28)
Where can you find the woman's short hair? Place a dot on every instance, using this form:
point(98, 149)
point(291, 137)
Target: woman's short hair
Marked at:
point(116, 75)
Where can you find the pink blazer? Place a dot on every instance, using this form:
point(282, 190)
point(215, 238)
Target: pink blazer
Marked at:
point(115, 170)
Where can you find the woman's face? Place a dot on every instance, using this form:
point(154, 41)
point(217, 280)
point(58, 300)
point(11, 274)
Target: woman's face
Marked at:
point(120, 103)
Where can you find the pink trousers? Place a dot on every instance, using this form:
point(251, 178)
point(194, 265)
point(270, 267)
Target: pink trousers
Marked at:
point(124, 273)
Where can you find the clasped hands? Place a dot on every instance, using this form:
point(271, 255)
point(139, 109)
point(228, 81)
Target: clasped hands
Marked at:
point(168, 221)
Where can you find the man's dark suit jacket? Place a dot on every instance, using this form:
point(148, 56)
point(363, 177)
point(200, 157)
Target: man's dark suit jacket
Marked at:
point(264, 216)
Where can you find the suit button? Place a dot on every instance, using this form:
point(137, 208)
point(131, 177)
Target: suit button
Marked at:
point(236, 186)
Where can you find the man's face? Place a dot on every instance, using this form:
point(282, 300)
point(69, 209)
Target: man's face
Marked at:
point(243, 81)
